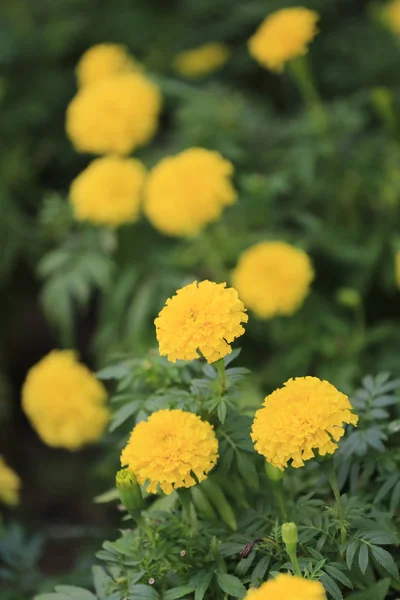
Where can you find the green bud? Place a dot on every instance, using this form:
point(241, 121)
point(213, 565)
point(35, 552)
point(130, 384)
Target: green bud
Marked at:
point(290, 535)
point(273, 473)
point(129, 492)
point(348, 297)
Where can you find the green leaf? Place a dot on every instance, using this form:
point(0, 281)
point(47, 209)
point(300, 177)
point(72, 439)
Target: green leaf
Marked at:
point(108, 496)
point(386, 487)
point(122, 414)
point(245, 563)
point(221, 411)
point(395, 499)
point(259, 571)
point(385, 559)
point(363, 558)
point(140, 591)
point(350, 553)
point(75, 593)
point(231, 585)
point(247, 469)
point(331, 587)
point(52, 596)
point(339, 576)
point(102, 582)
point(377, 591)
point(200, 583)
point(218, 498)
point(178, 592)
point(202, 503)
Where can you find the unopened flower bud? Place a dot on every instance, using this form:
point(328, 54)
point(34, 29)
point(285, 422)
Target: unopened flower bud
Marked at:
point(273, 473)
point(129, 492)
point(290, 535)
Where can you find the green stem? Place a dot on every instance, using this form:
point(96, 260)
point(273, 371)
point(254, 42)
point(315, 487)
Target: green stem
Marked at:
point(293, 557)
point(220, 366)
point(280, 499)
point(330, 473)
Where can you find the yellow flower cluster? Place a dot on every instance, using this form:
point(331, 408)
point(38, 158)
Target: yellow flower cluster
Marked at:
point(204, 317)
point(273, 278)
point(283, 35)
point(115, 115)
point(201, 61)
point(108, 191)
point(10, 484)
point(187, 191)
point(391, 15)
point(102, 61)
point(64, 401)
point(287, 587)
point(167, 448)
point(305, 415)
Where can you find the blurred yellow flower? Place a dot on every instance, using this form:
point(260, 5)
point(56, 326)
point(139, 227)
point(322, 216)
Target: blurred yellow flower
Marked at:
point(282, 36)
point(391, 15)
point(305, 415)
point(115, 115)
point(273, 278)
point(108, 191)
point(200, 62)
point(185, 192)
point(10, 484)
point(397, 268)
point(167, 448)
point(102, 61)
point(203, 317)
point(64, 401)
point(287, 587)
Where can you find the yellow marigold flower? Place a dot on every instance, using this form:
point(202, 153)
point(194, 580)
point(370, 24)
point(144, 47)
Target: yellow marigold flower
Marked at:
point(287, 587)
point(201, 61)
point(203, 317)
point(306, 414)
point(273, 278)
point(64, 401)
point(102, 61)
point(397, 268)
point(10, 484)
point(391, 16)
point(187, 191)
point(282, 36)
point(115, 115)
point(108, 191)
point(166, 448)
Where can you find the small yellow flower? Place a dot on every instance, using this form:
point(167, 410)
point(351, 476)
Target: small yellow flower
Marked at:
point(200, 62)
point(10, 484)
point(397, 268)
point(64, 401)
point(287, 587)
point(167, 448)
point(282, 36)
point(187, 191)
point(108, 191)
point(305, 415)
point(203, 317)
point(391, 16)
point(102, 61)
point(115, 115)
point(273, 278)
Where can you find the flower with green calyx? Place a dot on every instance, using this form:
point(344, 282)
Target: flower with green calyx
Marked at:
point(273, 473)
point(130, 493)
point(290, 538)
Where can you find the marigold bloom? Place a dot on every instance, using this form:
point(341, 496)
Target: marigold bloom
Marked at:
point(187, 191)
point(391, 16)
point(108, 191)
point(273, 278)
point(203, 317)
point(115, 115)
point(200, 62)
point(282, 36)
point(64, 401)
point(397, 268)
point(168, 447)
point(305, 415)
point(287, 587)
point(102, 61)
point(10, 484)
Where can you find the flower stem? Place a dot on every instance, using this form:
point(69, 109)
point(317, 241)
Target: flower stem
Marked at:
point(220, 366)
point(280, 499)
point(330, 473)
point(293, 557)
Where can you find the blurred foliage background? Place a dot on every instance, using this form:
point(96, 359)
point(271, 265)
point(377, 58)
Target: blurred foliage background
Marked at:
point(63, 285)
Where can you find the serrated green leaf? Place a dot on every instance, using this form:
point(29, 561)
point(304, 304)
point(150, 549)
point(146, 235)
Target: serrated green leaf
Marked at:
point(75, 593)
point(202, 503)
point(178, 592)
point(231, 585)
point(102, 582)
point(108, 496)
point(52, 596)
point(200, 583)
point(331, 587)
point(247, 469)
point(385, 559)
point(386, 487)
point(395, 499)
point(338, 575)
point(221, 411)
point(363, 558)
point(245, 563)
point(259, 571)
point(140, 591)
point(123, 414)
point(350, 552)
point(218, 499)
point(377, 591)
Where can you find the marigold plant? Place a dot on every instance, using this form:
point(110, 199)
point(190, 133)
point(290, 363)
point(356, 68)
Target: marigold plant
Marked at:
point(115, 115)
point(102, 61)
point(10, 484)
point(202, 317)
point(283, 36)
point(273, 278)
point(64, 401)
point(287, 587)
point(200, 62)
point(187, 191)
point(296, 421)
point(168, 448)
point(108, 191)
